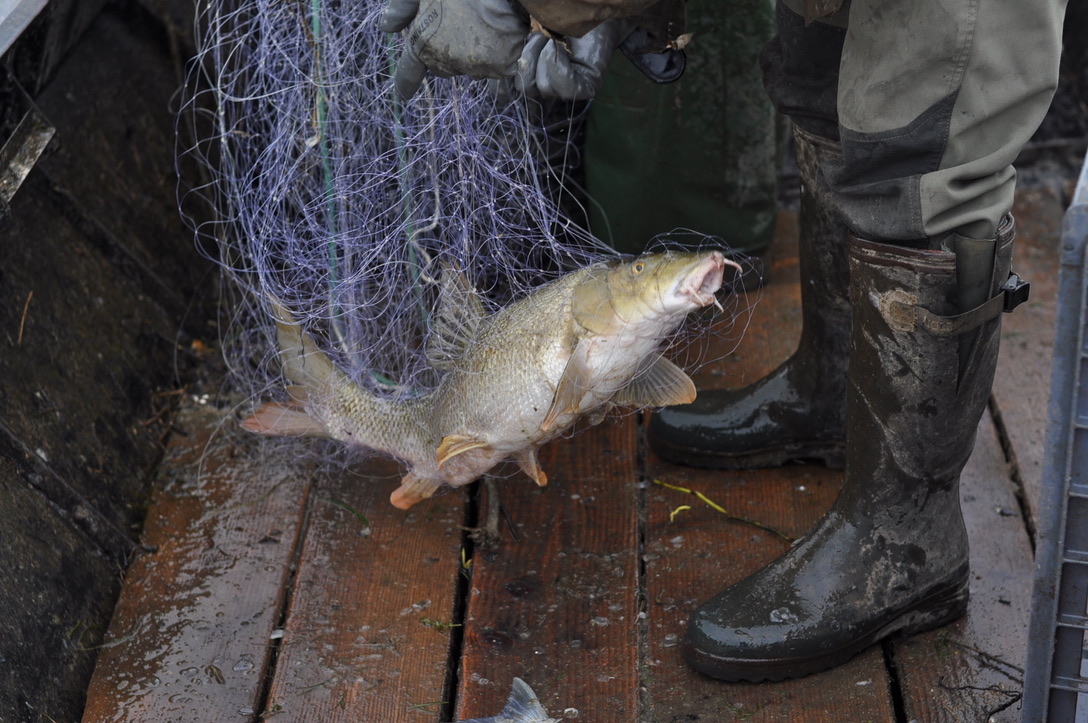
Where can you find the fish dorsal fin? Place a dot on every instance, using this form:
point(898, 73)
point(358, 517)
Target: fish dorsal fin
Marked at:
point(657, 383)
point(572, 387)
point(522, 707)
point(456, 320)
point(591, 303)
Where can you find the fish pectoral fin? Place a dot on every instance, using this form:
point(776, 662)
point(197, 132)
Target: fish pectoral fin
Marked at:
point(529, 465)
point(285, 419)
point(658, 383)
point(572, 388)
point(455, 444)
point(412, 489)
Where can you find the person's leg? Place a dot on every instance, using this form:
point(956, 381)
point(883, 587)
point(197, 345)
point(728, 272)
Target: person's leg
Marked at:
point(936, 99)
point(798, 411)
point(928, 134)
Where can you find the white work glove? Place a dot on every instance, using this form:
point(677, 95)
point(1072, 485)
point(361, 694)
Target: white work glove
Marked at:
point(574, 70)
point(478, 38)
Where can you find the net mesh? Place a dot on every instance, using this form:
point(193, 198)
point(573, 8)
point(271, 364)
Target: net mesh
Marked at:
point(343, 202)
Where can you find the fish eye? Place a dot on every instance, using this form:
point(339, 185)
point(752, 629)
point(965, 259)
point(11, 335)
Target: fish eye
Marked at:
point(638, 267)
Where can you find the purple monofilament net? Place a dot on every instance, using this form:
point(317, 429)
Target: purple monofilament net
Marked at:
point(343, 202)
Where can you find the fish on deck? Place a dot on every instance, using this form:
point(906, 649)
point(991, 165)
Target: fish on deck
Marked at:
point(513, 380)
point(522, 707)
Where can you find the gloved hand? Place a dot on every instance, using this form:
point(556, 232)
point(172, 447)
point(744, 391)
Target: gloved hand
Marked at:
point(547, 69)
point(478, 38)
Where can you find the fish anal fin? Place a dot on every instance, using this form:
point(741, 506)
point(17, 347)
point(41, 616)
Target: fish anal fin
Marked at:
point(456, 444)
point(287, 419)
point(572, 388)
point(529, 465)
point(412, 489)
point(659, 383)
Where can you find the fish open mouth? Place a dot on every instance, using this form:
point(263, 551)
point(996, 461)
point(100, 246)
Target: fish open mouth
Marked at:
point(704, 280)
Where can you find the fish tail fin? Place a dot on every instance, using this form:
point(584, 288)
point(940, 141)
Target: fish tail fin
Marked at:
point(284, 419)
point(523, 704)
point(302, 361)
point(522, 707)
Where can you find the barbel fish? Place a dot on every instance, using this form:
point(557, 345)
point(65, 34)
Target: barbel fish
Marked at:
point(522, 707)
point(513, 380)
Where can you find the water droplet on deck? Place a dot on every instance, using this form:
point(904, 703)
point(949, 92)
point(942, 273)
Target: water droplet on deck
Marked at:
point(783, 615)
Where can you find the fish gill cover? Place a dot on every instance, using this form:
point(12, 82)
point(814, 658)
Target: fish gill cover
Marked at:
point(343, 202)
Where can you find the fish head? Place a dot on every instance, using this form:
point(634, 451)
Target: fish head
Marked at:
point(650, 289)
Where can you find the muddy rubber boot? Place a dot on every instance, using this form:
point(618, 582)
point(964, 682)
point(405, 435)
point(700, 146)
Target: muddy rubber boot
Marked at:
point(798, 410)
point(891, 556)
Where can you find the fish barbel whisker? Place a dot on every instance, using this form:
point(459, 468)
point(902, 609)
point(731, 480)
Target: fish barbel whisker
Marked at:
point(733, 264)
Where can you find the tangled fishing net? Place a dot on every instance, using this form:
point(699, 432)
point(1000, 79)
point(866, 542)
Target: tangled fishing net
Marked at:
point(343, 202)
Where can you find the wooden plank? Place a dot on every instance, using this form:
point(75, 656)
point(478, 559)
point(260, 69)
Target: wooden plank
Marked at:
point(1022, 384)
point(189, 638)
point(559, 607)
point(973, 669)
point(366, 636)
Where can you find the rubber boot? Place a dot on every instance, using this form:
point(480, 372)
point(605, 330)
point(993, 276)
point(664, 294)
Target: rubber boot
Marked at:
point(891, 556)
point(798, 411)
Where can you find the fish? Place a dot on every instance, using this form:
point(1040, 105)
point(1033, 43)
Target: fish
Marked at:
point(511, 381)
point(522, 707)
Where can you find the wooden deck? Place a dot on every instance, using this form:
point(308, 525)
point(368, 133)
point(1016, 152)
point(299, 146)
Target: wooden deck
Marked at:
point(271, 585)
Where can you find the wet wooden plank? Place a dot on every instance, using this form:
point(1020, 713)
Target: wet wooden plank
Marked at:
point(1022, 384)
point(189, 638)
point(559, 607)
point(366, 636)
point(973, 669)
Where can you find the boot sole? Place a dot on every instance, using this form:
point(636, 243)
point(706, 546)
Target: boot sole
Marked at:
point(832, 454)
point(944, 606)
